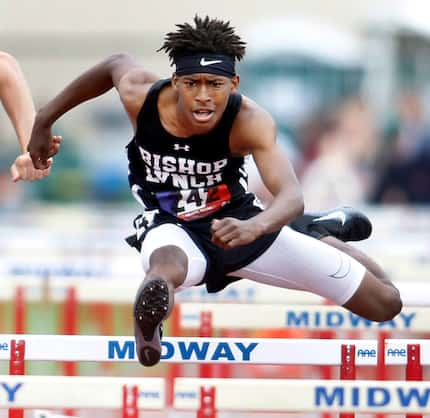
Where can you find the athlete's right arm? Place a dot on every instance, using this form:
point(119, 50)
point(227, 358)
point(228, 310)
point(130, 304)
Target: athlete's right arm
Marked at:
point(94, 82)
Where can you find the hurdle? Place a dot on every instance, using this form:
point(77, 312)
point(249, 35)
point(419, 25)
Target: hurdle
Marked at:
point(78, 392)
point(196, 316)
point(277, 316)
point(298, 316)
point(207, 396)
point(344, 353)
point(185, 350)
point(325, 317)
point(189, 349)
point(203, 351)
point(273, 395)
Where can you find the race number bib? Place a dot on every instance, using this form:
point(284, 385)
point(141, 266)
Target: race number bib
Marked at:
point(194, 203)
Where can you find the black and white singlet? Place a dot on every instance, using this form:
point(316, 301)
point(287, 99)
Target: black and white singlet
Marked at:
point(187, 177)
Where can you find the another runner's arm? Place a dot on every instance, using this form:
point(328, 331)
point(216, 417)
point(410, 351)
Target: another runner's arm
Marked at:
point(16, 98)
point(92, 83)
point(276, 171)
point(18, 103)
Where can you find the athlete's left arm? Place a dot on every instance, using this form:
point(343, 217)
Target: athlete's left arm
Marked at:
point(276, 171)
point(255, 133)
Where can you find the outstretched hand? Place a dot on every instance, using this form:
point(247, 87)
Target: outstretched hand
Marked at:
point(231, 232)
point(42, 147)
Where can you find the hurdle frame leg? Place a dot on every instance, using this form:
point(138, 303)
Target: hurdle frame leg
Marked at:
point(414, 369)
point(70, 326)
point(20, 311)
point(347, 370)
point(206, 330)
point(381, 367)
point(207, 402)
point(17, 368)
point(130, 395)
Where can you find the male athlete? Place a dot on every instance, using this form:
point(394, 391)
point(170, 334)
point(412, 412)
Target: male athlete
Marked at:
point(186, 159)
point(18, 103)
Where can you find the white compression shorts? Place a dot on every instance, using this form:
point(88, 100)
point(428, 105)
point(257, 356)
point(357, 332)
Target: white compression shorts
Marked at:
point(293, 261)
point(172, 234)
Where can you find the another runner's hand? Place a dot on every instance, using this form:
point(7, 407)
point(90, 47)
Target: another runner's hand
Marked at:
point(231, 232)
point(43, 146)
point(23, 169)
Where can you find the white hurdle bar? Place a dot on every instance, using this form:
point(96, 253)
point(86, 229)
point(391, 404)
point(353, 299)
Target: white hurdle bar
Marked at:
point(243, 316)
point(265, 395)
point(212, 350)
point(58, 392)
point(191, 350)
point(275, 395)
point(123, 290)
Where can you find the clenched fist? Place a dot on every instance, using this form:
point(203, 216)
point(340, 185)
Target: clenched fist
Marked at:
point(23, 167)
point(231, 232)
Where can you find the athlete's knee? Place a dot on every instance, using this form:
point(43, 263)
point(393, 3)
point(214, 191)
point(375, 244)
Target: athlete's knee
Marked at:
point(390, 303)
point(375, 300)
point(385, 305)
point(170, 262)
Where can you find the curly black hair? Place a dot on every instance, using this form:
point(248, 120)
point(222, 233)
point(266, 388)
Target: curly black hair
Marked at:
point(208, 35)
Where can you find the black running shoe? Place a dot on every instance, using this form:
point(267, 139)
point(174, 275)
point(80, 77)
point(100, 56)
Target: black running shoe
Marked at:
point(154, 301)
point(344, 223)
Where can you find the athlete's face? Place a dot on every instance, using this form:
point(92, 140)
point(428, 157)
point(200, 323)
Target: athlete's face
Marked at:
point(202, 99)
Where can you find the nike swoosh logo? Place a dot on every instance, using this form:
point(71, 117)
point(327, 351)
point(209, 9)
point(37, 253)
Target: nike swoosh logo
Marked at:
point(204, 63)
point(343, 269)
point(337, 215)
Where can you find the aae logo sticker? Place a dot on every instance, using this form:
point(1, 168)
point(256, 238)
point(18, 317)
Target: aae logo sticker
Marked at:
point(149, 395)
point(366, 353)
point(396, 352)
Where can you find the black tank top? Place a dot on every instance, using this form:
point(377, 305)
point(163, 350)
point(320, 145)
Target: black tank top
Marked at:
point(187, 177)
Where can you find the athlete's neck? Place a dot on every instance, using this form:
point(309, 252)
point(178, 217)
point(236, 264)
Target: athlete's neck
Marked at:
point(169, 118)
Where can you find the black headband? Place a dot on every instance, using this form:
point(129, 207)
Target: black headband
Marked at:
point(205, 63)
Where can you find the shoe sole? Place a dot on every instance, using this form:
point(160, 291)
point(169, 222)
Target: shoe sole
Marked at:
point(151, 307)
